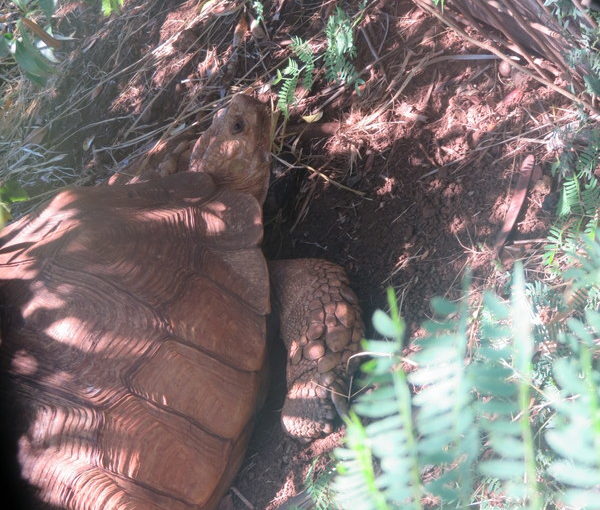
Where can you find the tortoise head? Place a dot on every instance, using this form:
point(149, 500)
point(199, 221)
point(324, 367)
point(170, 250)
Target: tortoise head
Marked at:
point(235, 149)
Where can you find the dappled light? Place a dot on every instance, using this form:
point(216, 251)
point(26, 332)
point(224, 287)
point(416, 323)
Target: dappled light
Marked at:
point(106, 283)
point(134, 312)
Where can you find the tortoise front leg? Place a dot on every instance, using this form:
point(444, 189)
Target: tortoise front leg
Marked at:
point(321, 327)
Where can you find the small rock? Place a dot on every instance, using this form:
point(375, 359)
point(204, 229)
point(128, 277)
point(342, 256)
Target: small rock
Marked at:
point(504, 68)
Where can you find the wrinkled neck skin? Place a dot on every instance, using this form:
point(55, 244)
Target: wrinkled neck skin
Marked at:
point(230, 165)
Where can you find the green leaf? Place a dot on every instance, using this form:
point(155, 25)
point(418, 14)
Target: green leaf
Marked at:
point(30, 60)
point(27, 60)
point(443, 307)
point(501, 427)
point(376, 409)
point(581, 331)
point(47, 7)
point(12, 192)
point(571, 445)
point(4, 47)
point(385, 326)
point(440, 423)
point(495, 305)
point(503, 469)
point(509, 447)
point(110, 6)
point(574, 474)
point(21, 4)
point(590, 500)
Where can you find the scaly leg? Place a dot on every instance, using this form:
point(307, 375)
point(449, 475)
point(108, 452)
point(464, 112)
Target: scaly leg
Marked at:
point(321, 327)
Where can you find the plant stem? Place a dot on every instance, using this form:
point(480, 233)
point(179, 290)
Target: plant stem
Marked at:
point(405, 410)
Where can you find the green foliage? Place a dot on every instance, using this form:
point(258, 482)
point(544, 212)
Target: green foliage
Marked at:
point(29, 42)
point(289, 81)
point(340, 49)
point(338, 67)
point(259, 10)
point(318, 486)
point(291, 75)
point(30, 59)
point(481, 420)
point(10, 192)
point(110, 6)
point(578, 207)
point(305, 53)
point(584, 55)
point(24, 46)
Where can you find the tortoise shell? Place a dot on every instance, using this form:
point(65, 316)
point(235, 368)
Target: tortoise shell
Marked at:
point(133, 336)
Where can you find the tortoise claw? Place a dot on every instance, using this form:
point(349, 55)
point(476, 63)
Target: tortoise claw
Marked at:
point(340, 400)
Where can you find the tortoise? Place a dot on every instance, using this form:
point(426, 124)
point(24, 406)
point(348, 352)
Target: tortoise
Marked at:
point(134, 326)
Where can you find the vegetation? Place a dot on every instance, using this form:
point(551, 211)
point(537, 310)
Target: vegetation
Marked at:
point(337, 57)
point(479, 414)
point(27, 38)
point(292, 73)
point(577, 211)
point(500, 407)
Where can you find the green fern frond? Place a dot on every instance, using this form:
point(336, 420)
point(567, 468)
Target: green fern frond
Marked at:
point(340, 49)
point(289, 81)
point(390, 439)
point(318, 486)
point(579, 203)
point(304, 52)
point(356, 486)
point(474, 421)
point(576, 434)
point(448, 433)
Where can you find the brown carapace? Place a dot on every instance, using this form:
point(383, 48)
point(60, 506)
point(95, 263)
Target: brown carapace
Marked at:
point(133, 349)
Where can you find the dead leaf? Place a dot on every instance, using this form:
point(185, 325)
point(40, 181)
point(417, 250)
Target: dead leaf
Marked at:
point(36, 136)
point(87, 143)
point(97, 90)
point(315, 117)
point(516, 201)
point(240, 31)
point(41, 33)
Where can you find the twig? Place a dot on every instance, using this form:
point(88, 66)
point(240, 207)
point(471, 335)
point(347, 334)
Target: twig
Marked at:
point(323, 176)
point(242, 498)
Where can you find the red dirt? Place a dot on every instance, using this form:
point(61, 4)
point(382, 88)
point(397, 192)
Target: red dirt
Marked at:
point(435, 168)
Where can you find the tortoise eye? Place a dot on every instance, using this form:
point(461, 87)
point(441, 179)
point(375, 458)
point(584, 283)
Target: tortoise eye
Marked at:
point(238, 127)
